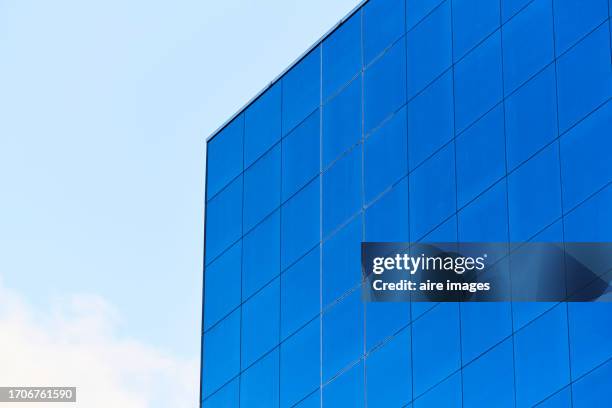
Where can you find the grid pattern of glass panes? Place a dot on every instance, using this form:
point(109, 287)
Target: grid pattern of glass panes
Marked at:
point(414, 120)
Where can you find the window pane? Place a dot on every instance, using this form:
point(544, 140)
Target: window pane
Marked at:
point(222, 353)
point(478, 81)
point(541, 357)
point(430, 120)
point(432, 192)
point(531, 117)
point(386, 156)
point(300, 368)
point(223, 220)
point(384, 319)
point(385, 85)
point(383, 23)
point(260, 323)
point(489, 380)
point(259, 383)
point(429, 48)
point(262, 184)
point(342, 261)
point(584, 77)
point(389, 379)
point(224, 157)
point(342, 190)
point(481, 156)
point(528, 43)
point(534, 194)
point(435, 346)
point(342, 122)
point(301, 90)
point(301, 155)
point(585, 157)
point(225, 397)
point(342, 55)
point(300, 224)
point(342, 334)
point(262, 124)
point(473, 20)
point(447, 394)
point(300, 293)
point(482, 326)
point(346, 390)
point(575, 19)
point(222, 276)
point(590, 333)
point(491, 205)
point(261, 256)
point(387, 218)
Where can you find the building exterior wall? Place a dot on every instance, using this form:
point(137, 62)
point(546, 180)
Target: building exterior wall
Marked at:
point(413, 121)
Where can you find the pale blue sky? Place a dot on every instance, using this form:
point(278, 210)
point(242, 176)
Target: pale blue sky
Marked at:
point(104, 109)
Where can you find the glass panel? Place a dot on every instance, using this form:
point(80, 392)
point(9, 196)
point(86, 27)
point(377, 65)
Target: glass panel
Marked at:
point(385, 85)
point(387, 218)
point(429, 48)
point(435, 346)
point(386, 156)
point(342, 334)
point(528, 43)
point(342, 55)
point(260, 323)
point(389, 373)
point(585, 157)
point(262, 124)
point(262, 184)
point(384, 319)
point(590, 333)
point(489, 380)
point(224, 157)
point(574, 19)
point(224, 219)
point(430, 120)
point(481, 156)
point(346, 390)
point(584, 77)
point(492, 206)
point(227, 396)
point(222, 276)
point(301, 156)
point(342, 190)
point(531, 117)
point(432, 192)
point(594, 390)
point(383, 23)
point(473, 20)
point(482, 326)
point(300, 364)
point(300, 224)
point(300, 293)
point(261, 256)
point(592, 220)
point(222, 353)
point(447, 394)
point(342, 122)
point(259, 384)
point(478, 81)
point(301, 90)
point(534, 194)
point(541, 357)
point(342, 261)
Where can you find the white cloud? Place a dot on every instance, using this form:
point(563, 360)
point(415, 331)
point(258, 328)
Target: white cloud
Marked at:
point(75, 342)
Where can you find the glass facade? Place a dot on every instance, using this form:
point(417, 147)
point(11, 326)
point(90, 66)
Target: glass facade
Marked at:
point(414, 120)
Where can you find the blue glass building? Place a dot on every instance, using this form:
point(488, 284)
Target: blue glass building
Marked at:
point(413, 120)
